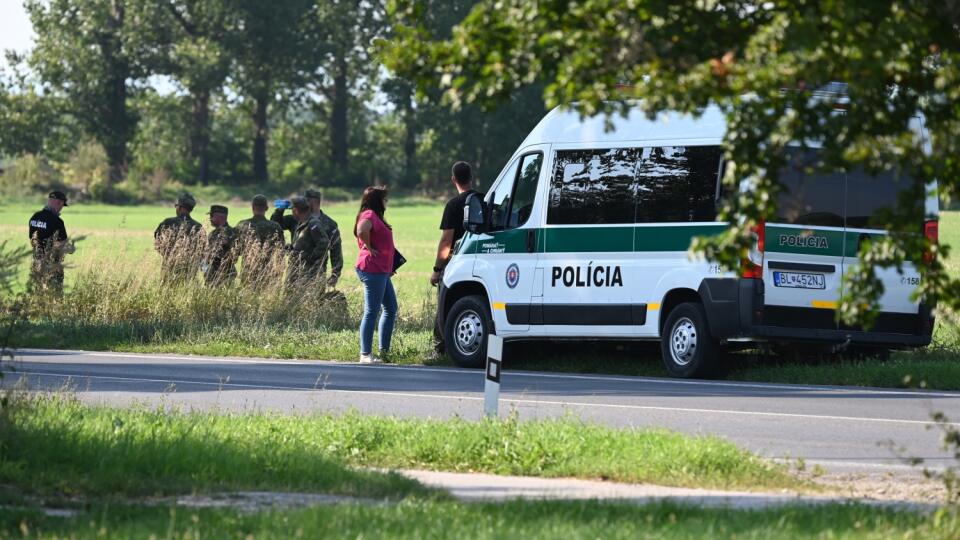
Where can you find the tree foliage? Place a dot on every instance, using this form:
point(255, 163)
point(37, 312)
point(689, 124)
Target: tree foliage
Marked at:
point(205, 90)
point(762, 64)
point(90, 51)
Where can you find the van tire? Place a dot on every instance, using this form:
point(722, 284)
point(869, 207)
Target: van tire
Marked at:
point(688, 348)
point(468, 323)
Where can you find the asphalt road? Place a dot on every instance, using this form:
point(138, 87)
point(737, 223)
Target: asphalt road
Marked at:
point(842, 429)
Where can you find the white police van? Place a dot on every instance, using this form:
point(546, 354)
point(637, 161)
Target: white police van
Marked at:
point(585, 235)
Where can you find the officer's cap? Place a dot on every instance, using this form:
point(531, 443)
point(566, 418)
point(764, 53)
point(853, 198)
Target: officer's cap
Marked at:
point(186, 200)
point(300, 203)
point(259, 201)
point(58, 195)
point(313, 194)
point(217, 209)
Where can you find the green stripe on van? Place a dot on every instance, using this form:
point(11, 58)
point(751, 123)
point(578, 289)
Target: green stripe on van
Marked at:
point(589, 239)
point(853, 242)
point(626, 238)
point(620, 238)
point(672, 237)
point(812, 241)
point(512, 241)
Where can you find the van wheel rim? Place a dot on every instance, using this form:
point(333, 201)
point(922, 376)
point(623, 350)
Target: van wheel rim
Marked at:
point(468, 332)
point(683, 341)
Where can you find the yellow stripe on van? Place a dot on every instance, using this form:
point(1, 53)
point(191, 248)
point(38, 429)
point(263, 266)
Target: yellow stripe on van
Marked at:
point(499, 305)
point(653, 306)
point(824, 304)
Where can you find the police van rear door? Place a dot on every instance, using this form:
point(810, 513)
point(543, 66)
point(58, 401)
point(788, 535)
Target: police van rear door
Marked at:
point(804, 246)
point(869, 198)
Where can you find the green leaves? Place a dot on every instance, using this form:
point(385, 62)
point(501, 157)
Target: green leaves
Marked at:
point(761, 64)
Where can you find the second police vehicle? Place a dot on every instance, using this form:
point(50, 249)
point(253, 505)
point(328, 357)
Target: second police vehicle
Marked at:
point(585, 235)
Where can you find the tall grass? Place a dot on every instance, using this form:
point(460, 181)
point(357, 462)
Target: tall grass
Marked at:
point(131, 303)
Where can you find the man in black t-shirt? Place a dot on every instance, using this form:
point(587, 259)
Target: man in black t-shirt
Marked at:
point(452, 226)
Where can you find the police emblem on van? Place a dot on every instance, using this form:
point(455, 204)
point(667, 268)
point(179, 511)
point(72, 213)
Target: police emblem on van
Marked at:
point(513, 275)
point(804, 239)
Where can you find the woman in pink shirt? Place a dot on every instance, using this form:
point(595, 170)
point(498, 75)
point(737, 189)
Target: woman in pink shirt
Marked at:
point(374, 268)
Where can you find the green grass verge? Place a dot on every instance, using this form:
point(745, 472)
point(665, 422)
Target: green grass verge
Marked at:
point(934, 369)
point(286, 342)
point(57, 445)
point(436, 519)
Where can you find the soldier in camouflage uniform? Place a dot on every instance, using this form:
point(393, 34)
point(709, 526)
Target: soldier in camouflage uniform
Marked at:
point(220, 260)
point(308, 253)
point(289, 223)
point(180, 241)
point(261, 243)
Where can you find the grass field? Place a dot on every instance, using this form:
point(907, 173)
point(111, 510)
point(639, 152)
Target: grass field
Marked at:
point(116, 307)
point(121, 237)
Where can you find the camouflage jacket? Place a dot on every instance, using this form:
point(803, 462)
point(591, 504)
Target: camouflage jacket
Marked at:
point(310, 245)
point(330, 226)
point(177, 233)
point(261, 228)
point(221, 254)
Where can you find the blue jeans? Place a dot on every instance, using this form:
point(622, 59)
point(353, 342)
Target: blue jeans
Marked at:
point(377, 292)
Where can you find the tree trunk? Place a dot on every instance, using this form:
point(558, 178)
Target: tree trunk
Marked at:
point(261, 133)
point(338, 118)
point(200, 134)
point(115, 142)
point(119, 120)
point(409, 142)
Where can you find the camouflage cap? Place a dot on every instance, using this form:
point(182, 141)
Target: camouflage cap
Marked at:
point(313, 194)
point(259, 200)
point(300, 203)
point(218, 209)
point(186, 200)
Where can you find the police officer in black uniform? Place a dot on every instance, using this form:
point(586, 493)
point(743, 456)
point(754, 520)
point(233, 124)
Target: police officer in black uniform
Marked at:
point(48, 237)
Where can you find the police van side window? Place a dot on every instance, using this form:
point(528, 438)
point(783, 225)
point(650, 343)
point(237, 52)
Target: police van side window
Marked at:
point(677, 184)
point(593, 187)
point(809, 197)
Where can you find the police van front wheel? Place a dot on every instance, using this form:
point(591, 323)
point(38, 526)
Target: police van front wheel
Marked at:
point(467, 326)
point(688, 349)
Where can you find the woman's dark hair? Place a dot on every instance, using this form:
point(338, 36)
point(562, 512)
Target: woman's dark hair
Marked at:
point(374, 198)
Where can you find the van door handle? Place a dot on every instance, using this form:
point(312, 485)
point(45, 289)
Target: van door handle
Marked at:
point(531, 240)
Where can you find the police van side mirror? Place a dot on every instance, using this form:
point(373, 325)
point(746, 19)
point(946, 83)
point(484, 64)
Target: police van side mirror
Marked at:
point(473, 215)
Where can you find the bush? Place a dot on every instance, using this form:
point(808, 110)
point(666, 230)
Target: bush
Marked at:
point(87, 172)
point(29, 175)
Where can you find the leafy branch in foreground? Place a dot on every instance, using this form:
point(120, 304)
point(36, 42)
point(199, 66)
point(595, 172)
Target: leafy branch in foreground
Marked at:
point(761, 63)
point(11, 312)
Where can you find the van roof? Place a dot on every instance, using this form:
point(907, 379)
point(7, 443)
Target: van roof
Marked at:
point(566, 126)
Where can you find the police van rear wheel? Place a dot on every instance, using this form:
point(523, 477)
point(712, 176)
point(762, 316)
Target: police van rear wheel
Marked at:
point(687, 347)
point(467, 326)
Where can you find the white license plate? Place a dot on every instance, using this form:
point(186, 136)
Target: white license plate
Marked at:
point(796, 280)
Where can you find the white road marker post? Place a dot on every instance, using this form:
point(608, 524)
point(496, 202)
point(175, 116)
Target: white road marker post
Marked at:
point(491, 390)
